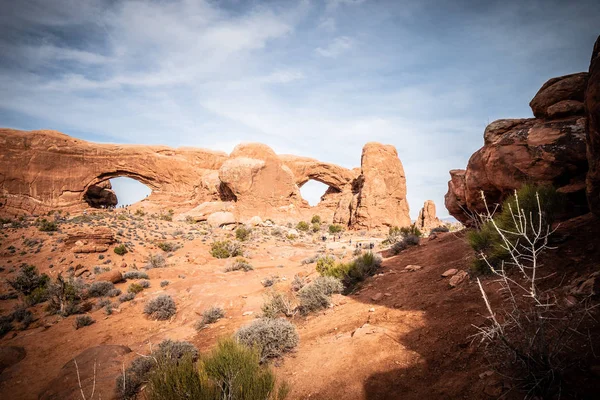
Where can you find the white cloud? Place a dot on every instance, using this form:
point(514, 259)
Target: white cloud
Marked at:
point(337, 47)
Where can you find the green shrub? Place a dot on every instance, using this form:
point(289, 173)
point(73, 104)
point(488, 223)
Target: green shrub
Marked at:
point(161, 308)
point(440, 229)
point(83, 320)
point(164, 283)
point(210, 316)
point(100, 288)
point(65, 296)
point(410, 230)
point(166, 246)
point(487, 241)
point(407, 241)
point(243, 233)
point(335, 228)
point(315, 219)
point(303, 226)
point(225, 249)
point(272, 337)
point(28, 279)
point(315, 227)
point(230, 371)
point(135, 288)
point(120, 250)
point(352, 272)
point(47, 226)
point(240, 264)
point(317, 294)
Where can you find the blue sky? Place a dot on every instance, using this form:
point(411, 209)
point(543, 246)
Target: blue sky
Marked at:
point(312, 78)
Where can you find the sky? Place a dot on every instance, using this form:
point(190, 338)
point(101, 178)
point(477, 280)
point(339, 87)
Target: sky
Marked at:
point(316, 78)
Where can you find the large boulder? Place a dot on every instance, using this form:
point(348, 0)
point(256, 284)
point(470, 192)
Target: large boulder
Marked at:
point(381, 189)
point(560, 97)
point(221, 218)
point(427, 219)
point(10, 355)
point(517, 152)
point(592, 107)
point(108, 362)
point(101, 195)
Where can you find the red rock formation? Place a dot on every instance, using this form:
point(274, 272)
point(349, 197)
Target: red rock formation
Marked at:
point(427, 219)
point(592, 108)
point(380, 190)
point(519, 151)
point(46, 170)
point(560, 97)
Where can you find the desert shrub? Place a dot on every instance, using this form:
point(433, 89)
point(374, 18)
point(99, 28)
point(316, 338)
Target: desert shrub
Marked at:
point(135, 275)
point(352, 272)
point(5, 326)
point(139, 212)
point(168, 353)
point(126, 297)
point(210, 316)
point(316, 219)
point(317, 294)
point(291, 236)
point(39, 295)
point(303, 226)
point(276, 232)
point(47, 226)
point(298, 283)
point(230, 371)
point(100, 288)
point(531, 337)
point(440, 229)
point(83, 320)
point(135, 288)
point(315, 227)
point(225, 249)
point(269, 281)
point(161, 308)
point(240, 264)
point(410, 230)
point(28, 279)
point(243, 233)
point(23, 315)
point(277, 304)
point(487, 241)
point(144, 283)
point(114, 292)
point(155, 261)
point(120, 250)
point(66, 296)
point(335, 228)
point(273, 337)
point(164, 284)
point(406, 242)
point(166, 246)
point(310, 260)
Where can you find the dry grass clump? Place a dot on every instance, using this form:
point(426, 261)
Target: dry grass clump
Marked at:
point(273, 337)
point(161, 308)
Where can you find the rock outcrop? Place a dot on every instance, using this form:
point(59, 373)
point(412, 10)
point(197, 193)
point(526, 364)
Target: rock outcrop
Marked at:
point(105, 360)
point(427, 219)
point(519, 151)
point(41, 171)
point(380, 189)
point(560, 97)
point(592, 108)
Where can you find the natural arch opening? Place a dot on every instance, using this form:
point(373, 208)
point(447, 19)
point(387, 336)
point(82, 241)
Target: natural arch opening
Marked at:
point(116, 192)
point(313, 191)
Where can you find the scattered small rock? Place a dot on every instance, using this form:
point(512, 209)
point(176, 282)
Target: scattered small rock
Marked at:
point(246, 313)
point(377, 297)
point(413, 268)
point(450, 272)
point(458, 279)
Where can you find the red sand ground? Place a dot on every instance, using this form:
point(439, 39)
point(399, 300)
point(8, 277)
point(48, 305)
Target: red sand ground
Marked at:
point(414, 343)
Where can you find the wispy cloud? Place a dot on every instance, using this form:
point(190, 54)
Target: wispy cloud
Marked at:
point(337, 47)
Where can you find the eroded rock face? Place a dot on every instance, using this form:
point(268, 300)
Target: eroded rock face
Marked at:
point(560, 97)
point(108, 360)
point(41, 171)
point(258, 179)
point(520, 151)
point(592, 107)
point(428, 219)
point(381, 194)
